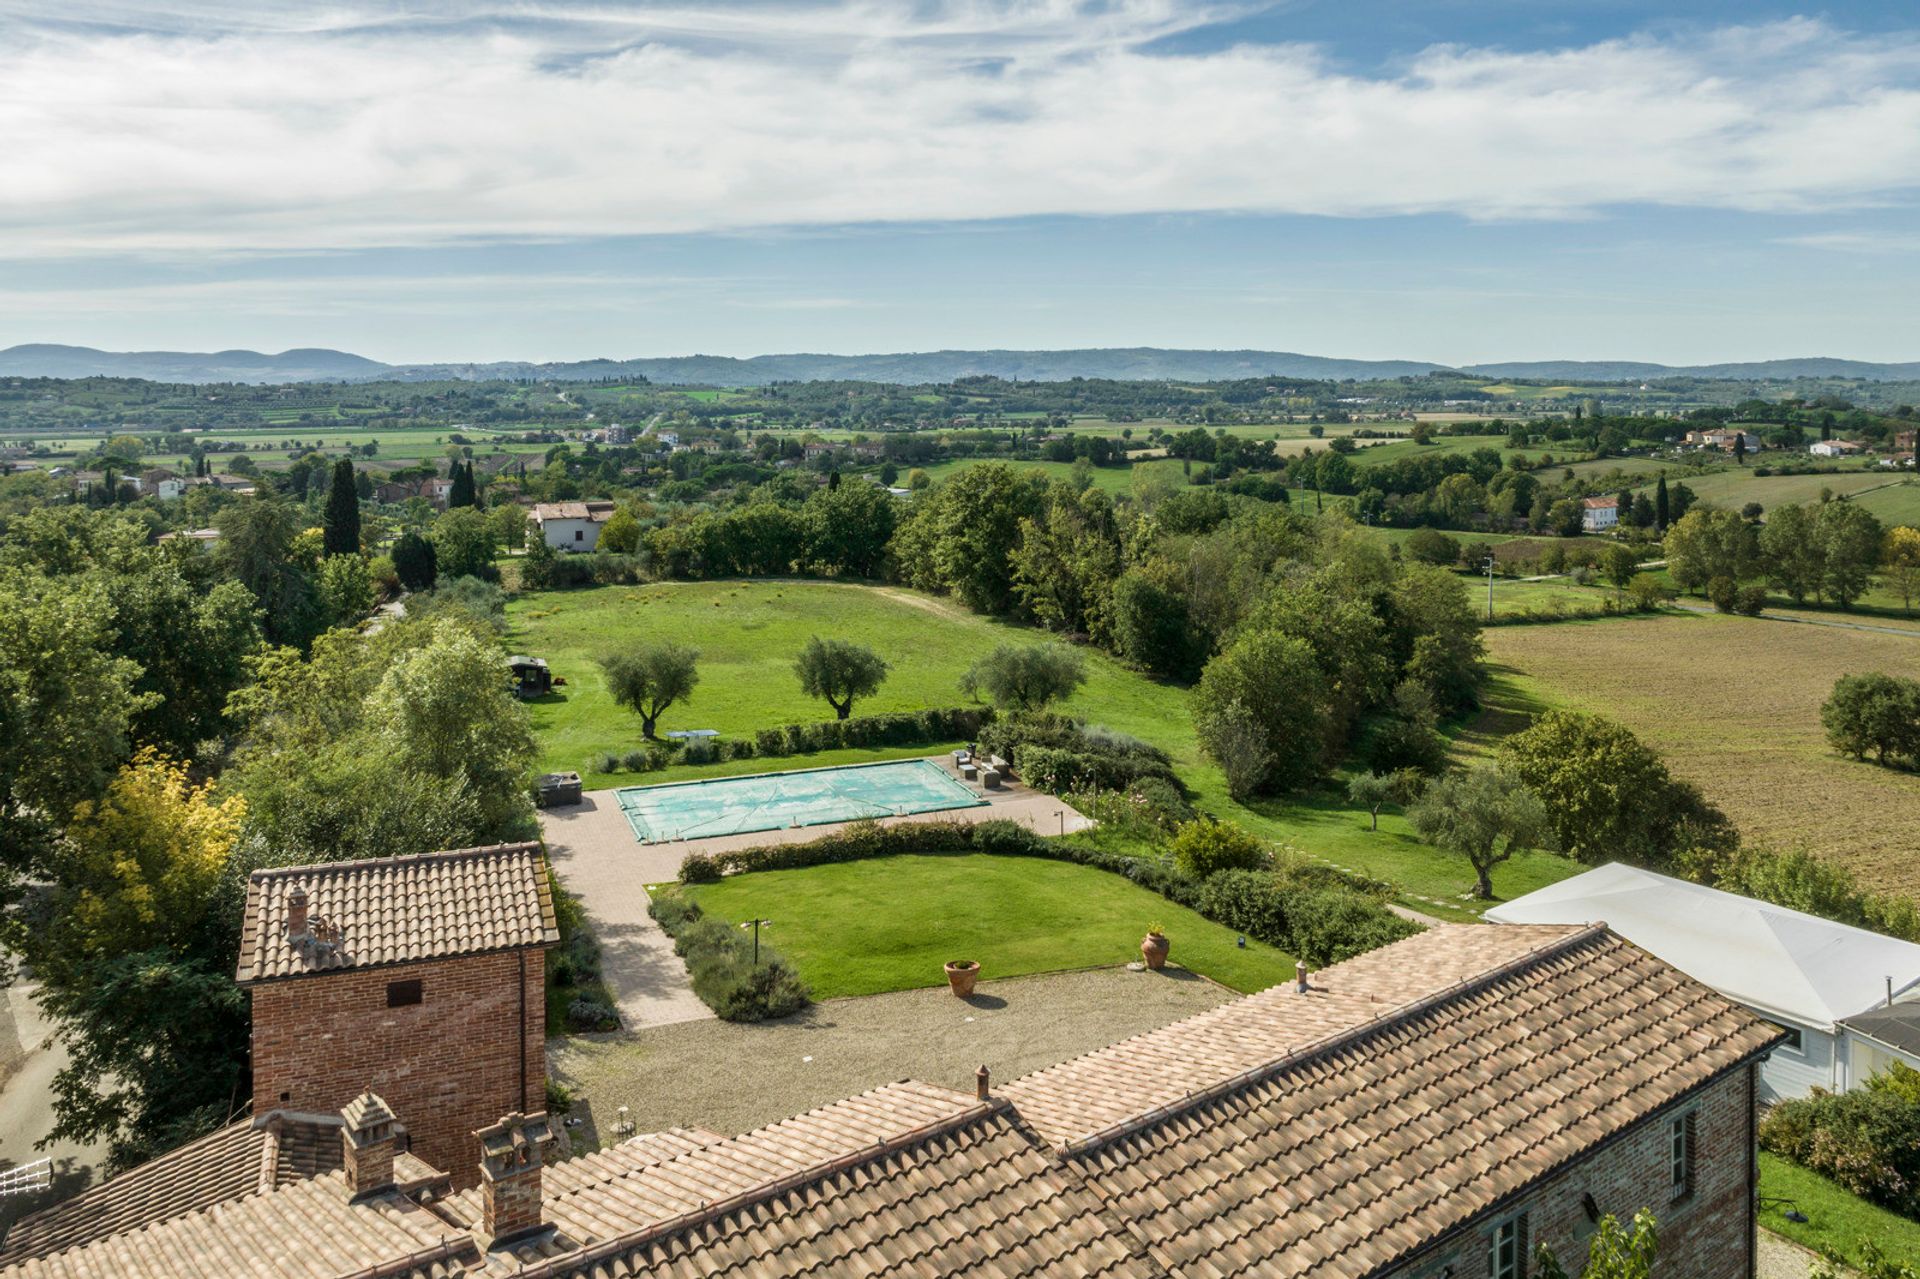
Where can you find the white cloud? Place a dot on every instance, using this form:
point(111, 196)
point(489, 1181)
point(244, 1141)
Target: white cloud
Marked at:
point(210, 129)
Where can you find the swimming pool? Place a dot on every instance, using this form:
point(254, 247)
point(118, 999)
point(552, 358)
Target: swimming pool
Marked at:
point(775, 801)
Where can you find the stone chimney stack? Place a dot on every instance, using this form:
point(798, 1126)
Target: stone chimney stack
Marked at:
point(511, 1154)
point(367, 1139)
point(296, 912)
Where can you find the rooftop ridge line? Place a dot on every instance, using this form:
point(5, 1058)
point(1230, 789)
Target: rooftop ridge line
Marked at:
point(329, 869)
point(572, 1262)
point(1266, 1070)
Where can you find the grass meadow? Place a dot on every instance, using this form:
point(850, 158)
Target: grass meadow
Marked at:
point(1733, 704)
point(1014, 915)
point(748, 632)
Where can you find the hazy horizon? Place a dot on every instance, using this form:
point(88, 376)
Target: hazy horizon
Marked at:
point(455, 180)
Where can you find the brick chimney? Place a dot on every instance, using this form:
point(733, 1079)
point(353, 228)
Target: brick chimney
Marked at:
point(983, 1083)
point(366, 1146)
point(511, 1154)
point(297, 912)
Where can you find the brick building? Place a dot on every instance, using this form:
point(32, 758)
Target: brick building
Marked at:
point(418, 978)
point(1434, 1108)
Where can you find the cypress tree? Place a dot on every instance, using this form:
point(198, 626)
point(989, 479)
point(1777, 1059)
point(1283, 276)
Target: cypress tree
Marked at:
point(340, 523)
point(1660, 504)
point(462, 491)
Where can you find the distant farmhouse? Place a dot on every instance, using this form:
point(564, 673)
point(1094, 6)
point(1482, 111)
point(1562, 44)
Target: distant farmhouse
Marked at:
point(1835, 448)
point(1599, 514)
point(571, 526)
point(1850, 999)
point(1435, 1107)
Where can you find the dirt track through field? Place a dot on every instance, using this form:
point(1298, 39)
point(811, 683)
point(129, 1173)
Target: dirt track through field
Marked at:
point(1733, 704)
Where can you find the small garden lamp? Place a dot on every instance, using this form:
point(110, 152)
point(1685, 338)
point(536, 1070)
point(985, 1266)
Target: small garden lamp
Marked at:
point(757, 925)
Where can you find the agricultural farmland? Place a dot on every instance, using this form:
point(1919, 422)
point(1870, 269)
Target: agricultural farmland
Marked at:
point(1734, 705)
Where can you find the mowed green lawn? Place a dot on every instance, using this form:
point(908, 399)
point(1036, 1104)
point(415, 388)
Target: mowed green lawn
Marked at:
point(1836, 1217)
point(748, 632)
point(860, 928)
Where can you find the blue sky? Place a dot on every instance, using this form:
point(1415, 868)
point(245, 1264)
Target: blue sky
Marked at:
point(1447, 181)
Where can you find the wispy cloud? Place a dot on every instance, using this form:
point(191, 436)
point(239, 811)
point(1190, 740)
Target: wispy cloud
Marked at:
point(1866, 242)
point(206, 128)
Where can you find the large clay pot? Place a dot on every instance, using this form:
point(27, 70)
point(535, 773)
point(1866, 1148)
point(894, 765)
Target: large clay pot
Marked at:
point(961, 974)
point(1154, 948)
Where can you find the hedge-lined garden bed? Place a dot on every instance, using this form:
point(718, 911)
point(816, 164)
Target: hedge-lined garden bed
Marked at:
point(578, 998)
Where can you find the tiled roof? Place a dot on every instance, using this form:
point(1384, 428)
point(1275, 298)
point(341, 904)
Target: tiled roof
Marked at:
point(571, 511)
point(308, 1229)
point(1318, 1134)
point(237, 1160)
point(908, 1180)
point(1344, 1157)
point(397, 910)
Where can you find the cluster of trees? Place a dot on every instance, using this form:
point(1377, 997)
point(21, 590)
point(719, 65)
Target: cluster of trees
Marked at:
point(172, 718)
point(1826, 551)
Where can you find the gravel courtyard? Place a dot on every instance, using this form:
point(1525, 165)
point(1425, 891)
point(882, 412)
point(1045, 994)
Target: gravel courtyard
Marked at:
point(730, 1078)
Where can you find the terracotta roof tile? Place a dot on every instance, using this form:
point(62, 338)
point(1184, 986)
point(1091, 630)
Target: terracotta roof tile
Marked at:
point(397, 910)
point(240, 1159)
point(1344, 1154)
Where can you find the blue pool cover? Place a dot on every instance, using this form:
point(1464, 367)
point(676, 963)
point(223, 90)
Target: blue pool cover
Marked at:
point(775, 801)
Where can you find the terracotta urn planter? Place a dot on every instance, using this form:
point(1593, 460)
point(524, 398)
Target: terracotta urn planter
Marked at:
point(961, 974)
point(1154, 948)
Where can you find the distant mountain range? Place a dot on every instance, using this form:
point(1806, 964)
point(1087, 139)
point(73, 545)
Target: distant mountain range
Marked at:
point(1143, 363)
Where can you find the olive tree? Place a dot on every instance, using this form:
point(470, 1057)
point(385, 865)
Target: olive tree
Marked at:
point(839, 671)
point(1025, 677)
point(650, 679)
point(1483, 814)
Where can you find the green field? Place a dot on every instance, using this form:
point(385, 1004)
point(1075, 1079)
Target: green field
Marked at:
point(1443, 445)
point(860, 928)
point(1892, 498)
point(748, 633)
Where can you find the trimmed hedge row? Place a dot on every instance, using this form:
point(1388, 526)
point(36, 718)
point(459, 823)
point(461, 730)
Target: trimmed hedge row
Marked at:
point(1060, 755)
point(1318, 913)
point(904, 728)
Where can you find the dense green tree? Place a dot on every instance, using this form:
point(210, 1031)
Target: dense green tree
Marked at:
point(415, 562)
point(1150, 627)
point(1705, 544)
point(1794, 557)
point(847, 529)
point(620, 535)
point(1608, 795)
point(1662, 509)
point(1849, 538)
point(342, 519)
point(464, 544)
point(1433, 634)
point(257, 548)
point(345, 586)
point(1483, 814)
point(1276, 680)
point(1877, 714)
point(839, 671)
point(650, 679)
point(961, 536)
point(447, 709)
point(461, 494)
point(1900, 555)
point(1066, 562)
point(1025, 677)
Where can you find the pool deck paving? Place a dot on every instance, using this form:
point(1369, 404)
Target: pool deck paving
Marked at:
point(597, 858)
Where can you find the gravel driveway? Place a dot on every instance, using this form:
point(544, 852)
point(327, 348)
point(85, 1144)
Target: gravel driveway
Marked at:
point(730, 1078)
